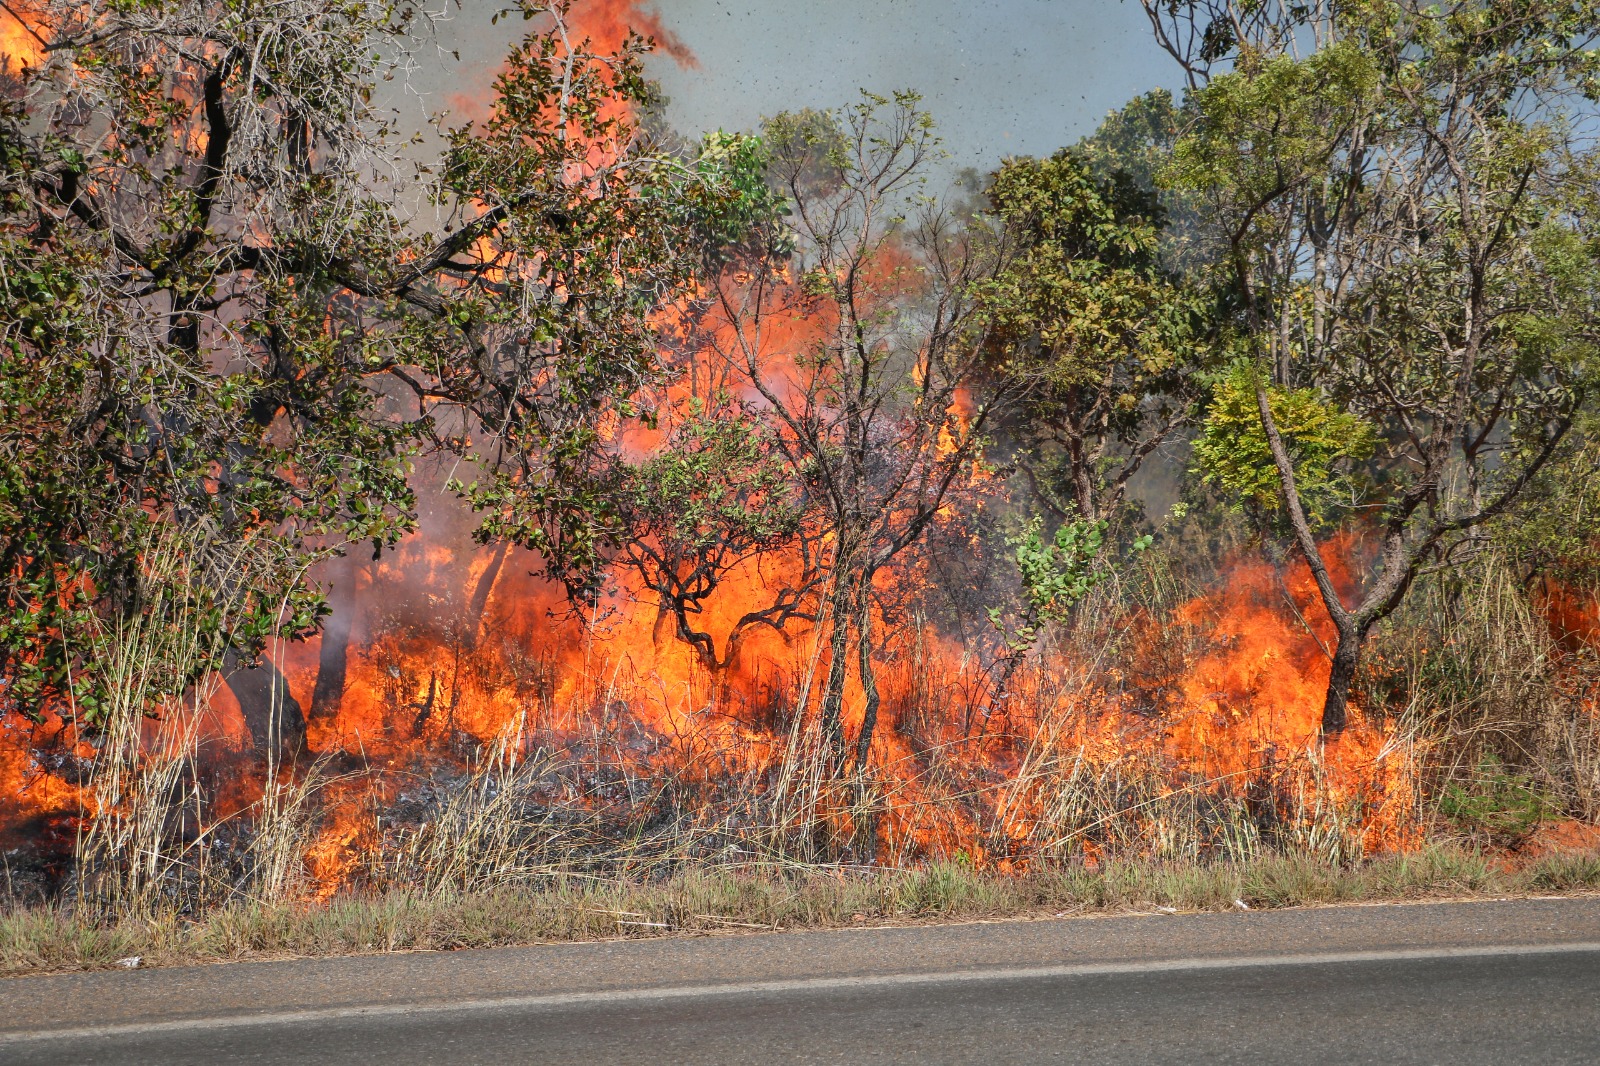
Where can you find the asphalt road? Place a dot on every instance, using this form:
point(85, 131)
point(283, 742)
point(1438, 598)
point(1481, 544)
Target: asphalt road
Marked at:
point(1493, 982)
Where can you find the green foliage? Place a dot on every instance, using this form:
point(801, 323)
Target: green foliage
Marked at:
point(1410, 238)
point(1085, 288)
point(1134, 144)
point(714, 483)
point(1111, 340)
point(1272, 124)
point(1056, 574)
point(177, 362)
point(1232, 454)
point(1496, 801)
point(1134, 141)
point(1554, 528)
point(729, 201)
point(581, 237)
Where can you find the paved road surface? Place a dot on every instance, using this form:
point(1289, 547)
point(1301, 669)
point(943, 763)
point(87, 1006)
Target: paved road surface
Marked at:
point(1499, 982)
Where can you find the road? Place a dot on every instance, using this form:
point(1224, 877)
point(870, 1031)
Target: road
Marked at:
point(1488, 982)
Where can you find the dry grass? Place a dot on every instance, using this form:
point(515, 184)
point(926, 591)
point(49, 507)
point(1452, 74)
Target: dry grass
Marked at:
point(1506, 712)
point(702, 900)
point(131, 848)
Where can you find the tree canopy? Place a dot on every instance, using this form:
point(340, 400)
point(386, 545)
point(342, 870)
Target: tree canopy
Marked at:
point(218, 320)
point(1405, 210)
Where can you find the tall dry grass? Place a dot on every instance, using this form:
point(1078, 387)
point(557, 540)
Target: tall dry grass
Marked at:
point(149, 840)
point(141, 835)
point(1506, 712)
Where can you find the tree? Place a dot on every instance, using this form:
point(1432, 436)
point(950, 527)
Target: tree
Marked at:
point(857, 333)
point(1110, 343)
point(1408, 232)
point(1325, 445)
point(213, 310)
point(700, 489)
point(177, 178)
point(1552, 531)
point(574, 238)
point(713, 498)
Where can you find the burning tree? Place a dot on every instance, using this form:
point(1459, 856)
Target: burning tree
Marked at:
point(856, 332)
point(179, 180)
point(214, 310)
point(701, 489)
point(714, 499)
point(1407, 212)
point(565, 251)
point(750, 385)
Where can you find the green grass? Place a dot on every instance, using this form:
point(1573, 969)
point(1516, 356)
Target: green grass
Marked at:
point(47, 939)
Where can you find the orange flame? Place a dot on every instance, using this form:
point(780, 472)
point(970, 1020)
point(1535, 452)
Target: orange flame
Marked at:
point(605, 24)
point(21, 42)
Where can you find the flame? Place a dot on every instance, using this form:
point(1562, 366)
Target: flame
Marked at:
point(960, 770)
point(453, 648)
point(1213, 706)
point(1573, 615)
point(1252, 703)
point(21, 43)
point(1244, 711)
point(605, 24)
point(38, 800)
point(608, 22)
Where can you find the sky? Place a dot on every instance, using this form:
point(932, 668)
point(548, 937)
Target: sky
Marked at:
point(1001, 77)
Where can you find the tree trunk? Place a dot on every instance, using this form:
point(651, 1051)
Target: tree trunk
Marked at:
point(271, 712)
point(480, 596)
point(866, 818)
point(869, 678)
point(334, 659)
point(1346, 657)
point(1352, 627)
point(839, 652)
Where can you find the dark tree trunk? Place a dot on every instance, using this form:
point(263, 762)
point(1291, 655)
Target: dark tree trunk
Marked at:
point(271, 713)
point(1352, 625)
point(839, 654)
point(480, 596)
point(1346, 657)
point(333, 663)
point(869, 677)
point(866, 835)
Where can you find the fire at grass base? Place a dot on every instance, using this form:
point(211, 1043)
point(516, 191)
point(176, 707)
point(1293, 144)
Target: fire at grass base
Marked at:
point(480, 739)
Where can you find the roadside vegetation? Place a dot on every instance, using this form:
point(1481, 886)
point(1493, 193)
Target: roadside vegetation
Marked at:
point(709, 901)
point(554, 527)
